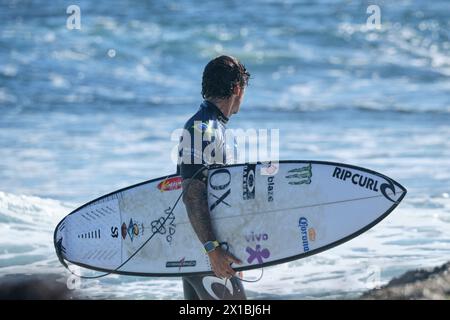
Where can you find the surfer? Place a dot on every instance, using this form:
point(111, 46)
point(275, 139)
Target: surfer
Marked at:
point(223, 86)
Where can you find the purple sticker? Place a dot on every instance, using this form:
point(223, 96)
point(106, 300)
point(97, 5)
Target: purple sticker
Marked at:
point(257, 254)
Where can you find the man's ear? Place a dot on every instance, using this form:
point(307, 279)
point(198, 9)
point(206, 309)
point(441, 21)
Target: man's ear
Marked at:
point(237, 90)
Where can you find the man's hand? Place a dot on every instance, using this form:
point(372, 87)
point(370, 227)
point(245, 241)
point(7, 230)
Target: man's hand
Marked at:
point(221, 263)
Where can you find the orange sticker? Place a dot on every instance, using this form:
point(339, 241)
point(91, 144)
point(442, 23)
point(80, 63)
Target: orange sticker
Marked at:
point(170, 184)
point(311, 234)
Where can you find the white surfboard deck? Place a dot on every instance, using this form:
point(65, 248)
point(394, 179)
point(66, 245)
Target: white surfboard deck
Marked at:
point(267, 213)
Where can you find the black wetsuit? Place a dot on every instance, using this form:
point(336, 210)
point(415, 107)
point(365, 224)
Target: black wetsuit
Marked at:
point(208, 125)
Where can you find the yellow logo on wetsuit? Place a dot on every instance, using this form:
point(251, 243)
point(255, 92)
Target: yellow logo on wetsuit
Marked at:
point(205, 128)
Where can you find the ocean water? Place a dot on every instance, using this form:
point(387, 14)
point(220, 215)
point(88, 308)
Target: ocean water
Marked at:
point(84, 112)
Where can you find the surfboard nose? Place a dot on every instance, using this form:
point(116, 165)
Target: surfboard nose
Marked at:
point(404, 191)
point(58, 238)
point(393, 190)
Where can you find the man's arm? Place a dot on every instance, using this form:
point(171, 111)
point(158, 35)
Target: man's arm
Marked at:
point(196, 202)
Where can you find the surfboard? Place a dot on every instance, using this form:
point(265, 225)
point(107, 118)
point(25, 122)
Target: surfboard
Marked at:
point(266, 213)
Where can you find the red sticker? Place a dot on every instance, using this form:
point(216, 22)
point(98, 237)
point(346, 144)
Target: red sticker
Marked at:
point(170, 184)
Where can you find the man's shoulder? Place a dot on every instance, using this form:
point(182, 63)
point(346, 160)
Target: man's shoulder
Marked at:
point(200, 118)
point(190, 122)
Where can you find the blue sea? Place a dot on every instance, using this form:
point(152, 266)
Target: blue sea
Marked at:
point(85, 112)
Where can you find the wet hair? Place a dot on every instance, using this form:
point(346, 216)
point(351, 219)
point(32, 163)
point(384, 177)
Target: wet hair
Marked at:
point(221, 75)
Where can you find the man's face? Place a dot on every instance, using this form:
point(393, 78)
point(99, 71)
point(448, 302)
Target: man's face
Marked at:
point(239, 97)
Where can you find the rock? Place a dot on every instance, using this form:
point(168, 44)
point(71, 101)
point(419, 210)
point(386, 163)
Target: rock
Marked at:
point(34, 287)
point(417, 284)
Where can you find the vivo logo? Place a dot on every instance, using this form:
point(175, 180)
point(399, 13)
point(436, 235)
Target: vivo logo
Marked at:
point(256, 237)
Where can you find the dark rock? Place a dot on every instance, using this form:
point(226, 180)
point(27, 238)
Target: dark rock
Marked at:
point(34, 287)
point(416, 284)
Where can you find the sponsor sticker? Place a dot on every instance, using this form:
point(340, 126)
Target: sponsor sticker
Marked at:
point(256, 237)
point(248, 183)
point(165, 225)
point(306, 234)
point(181, 263)
point(387, 188)
point(205, 128)
point(124, 230)
point(220, 181)
point(132, 230)
point(258, 254)
point(270, 186)
point(300, 176)
point(170, 184)
point(269, 168)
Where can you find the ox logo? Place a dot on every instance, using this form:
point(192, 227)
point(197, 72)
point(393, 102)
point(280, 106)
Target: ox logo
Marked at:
point(220, 181)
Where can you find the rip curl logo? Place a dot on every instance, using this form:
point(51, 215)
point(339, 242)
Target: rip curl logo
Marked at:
point(388, 186)
point(300, 175)
point(356, 178)
point(366, 182)
point(257, 254)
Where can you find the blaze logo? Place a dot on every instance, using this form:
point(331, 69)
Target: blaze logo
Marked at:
point(170, 184)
